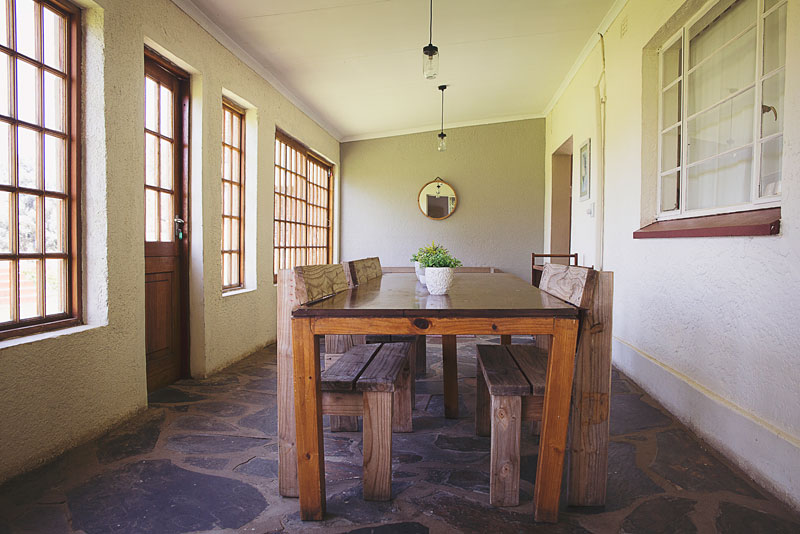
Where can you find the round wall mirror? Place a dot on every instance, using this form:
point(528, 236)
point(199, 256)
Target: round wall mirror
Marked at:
point(437, 199)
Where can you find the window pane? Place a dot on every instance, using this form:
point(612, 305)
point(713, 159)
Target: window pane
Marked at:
point(150, 104)
point(5, 153)
point(227, 209)
point(234, 269)
point(226, 269)
point(167, 169)
point(772, 105)
point(671, 106)
point(166, 112)
point(723, 181)
point(28, 157)
point(235, 166)
point(235, 201)
point(7, 301)
point(714, 30)
point(55, 159)
point(54, 42)
point(226, 132)
point(235, 237)
point(775, 39)
point(56, 282)
point(5, 84)
point(150, 215)
point(671, 65)
point(226, 233)
point(54, 225)
point(722, 128)
point(771, 154)
point(27, 91)
point(54, 113)
point(226, 163)
point(3, 25)
point(726, 73)
point(5, 223)
point(27, 28)
point(29, 289)
point(150, 159)
point(236, 136)
point(28, 228)
point(166, 217)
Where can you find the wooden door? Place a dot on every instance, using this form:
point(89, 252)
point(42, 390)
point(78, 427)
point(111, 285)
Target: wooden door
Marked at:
point(166, 208)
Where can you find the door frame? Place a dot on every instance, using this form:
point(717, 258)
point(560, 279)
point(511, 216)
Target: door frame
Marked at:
point(182, 170)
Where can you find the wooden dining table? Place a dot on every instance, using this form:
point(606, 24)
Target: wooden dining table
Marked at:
point(481, 304)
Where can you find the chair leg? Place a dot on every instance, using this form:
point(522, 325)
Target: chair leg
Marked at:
point(483, 408)
point(377, 478)
point(504, 470)
point(403, 400)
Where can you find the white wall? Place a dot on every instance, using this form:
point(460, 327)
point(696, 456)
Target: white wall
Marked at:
point(497, 171)
point(61, 388)
point(707, 325)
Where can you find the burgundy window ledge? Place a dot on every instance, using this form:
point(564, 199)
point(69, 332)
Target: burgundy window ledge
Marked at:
point(743, 223)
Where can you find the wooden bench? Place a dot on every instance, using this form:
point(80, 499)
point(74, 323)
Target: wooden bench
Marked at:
point(310, 284)
point(372, 381)
point(511, 383)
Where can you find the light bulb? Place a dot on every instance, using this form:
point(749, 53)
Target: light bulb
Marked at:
point(430, 61)
point(442, 142)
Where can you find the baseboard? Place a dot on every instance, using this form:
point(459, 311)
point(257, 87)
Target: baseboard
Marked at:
point(770, 456)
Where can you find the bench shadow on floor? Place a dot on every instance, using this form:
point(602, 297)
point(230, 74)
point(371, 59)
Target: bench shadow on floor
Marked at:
point(203, 458)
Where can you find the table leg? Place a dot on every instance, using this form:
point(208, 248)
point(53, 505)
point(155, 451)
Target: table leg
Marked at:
point(555, 419)
point(450, 372)
point(308, 413)
point(505, 340)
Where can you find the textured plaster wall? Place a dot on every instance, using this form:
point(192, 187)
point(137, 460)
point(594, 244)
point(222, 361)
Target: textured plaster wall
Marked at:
point(61, 388)
point(707, 325)
point(496, 170)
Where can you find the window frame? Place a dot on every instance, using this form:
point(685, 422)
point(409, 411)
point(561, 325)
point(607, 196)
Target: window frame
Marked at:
point(236, 110)
point(308, 155)
point(755, 202)
point(73, 313)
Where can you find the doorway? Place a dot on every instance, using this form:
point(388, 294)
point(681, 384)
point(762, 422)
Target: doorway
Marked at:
point(166, 207)
point(561, 202)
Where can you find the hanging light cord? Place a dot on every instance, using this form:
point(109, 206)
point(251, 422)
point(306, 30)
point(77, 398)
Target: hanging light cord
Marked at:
point(442, 110)
point(430, 34)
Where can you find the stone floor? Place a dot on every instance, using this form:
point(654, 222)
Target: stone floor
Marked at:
point(203, 458)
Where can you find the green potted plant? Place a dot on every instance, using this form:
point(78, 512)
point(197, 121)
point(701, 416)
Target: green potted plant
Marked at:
point(419, 270)
point(439, 265)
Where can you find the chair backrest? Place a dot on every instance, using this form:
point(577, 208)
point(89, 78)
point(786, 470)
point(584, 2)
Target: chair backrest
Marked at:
point(573, 284)
point(536, 270)
point(360, 271)
point(315, 282)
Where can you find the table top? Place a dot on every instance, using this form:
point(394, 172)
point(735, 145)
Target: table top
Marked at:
point(471, 295)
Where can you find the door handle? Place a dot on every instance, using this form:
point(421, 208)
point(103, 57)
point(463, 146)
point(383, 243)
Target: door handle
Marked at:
point(179, 227)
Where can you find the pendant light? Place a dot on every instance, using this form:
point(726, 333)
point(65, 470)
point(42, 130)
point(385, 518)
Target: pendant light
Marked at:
point(430, 54)
point(442, 136)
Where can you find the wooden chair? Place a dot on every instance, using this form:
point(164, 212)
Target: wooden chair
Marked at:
point(536, 270)
point(372, 381)
point(511, 385)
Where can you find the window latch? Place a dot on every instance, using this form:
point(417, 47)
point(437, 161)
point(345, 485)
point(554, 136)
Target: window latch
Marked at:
point(767, 109)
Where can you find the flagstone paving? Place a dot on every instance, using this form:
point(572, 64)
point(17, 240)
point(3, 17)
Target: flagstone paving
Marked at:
point(204, 458)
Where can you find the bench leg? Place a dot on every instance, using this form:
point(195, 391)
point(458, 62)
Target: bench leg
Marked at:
point(505, 340)
point(483, 408)
point(344, 423)
point(450, 375)
point(404, 399)
point(504, 470)
point(377, 479)
point(422, 357)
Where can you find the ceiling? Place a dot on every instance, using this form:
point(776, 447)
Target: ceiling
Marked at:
point(355, 66)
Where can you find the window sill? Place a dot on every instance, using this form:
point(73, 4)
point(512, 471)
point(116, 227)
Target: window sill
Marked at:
point(33, 338)
point(744, 223)
point(238, 291)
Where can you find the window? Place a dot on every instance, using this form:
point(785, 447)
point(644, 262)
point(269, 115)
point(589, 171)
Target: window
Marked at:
point(721, 110)
point(39, 190)
point(232, 196)
point(302, 206)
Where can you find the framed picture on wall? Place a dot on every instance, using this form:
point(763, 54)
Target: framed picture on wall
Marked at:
point(585, 156)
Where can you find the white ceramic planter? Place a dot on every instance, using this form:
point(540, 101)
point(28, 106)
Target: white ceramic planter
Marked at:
point(438, 279)
point(420, 272)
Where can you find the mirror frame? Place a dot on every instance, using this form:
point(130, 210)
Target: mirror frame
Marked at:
point(437, 180)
